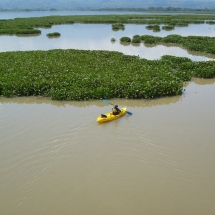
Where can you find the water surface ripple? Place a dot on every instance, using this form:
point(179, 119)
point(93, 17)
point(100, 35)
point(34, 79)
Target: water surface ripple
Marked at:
point(56, 159)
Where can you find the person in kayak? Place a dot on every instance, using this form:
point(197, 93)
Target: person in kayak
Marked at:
point(115, 110)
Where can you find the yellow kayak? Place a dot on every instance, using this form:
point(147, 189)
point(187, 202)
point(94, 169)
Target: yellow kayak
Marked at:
point(109, 116)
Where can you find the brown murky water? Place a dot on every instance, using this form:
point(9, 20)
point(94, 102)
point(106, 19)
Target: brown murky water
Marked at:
point(55, 159)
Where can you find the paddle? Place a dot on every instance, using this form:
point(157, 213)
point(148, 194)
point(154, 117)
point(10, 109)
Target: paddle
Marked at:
point(106, 101)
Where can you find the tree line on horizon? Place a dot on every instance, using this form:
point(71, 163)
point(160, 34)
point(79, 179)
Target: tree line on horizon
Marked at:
point(149, 9)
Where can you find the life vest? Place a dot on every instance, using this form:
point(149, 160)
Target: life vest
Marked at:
point(114, 111)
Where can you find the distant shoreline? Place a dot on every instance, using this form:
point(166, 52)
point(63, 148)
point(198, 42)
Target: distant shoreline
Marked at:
point(151, 9)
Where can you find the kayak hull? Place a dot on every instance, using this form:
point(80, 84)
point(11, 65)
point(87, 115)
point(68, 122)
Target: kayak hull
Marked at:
point(110, 116)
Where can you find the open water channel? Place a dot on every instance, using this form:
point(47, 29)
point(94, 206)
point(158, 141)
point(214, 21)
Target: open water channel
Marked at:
point(55, 159)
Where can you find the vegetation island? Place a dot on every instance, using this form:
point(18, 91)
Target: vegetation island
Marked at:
point(86, 75)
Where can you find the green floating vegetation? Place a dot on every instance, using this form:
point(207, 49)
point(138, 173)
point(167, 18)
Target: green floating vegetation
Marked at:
point(168, 27)
point(155, 28)
point(29, 25)
point(54, 34)
point(210, 22)
point(125, 39)
point(192, 43)
point(118, 26)
point(136, 39)
point(85, 75)
point(183, 24)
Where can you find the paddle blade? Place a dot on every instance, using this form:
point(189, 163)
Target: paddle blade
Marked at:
point(106, 101)
point(128, 112)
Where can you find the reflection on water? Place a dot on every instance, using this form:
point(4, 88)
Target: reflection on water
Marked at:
point(100, 103)
point(56, 159)
point(202, 81)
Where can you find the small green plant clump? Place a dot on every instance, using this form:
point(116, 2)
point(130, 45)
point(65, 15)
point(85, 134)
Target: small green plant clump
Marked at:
point(118, 26)
point(136, 39)
point(210, 22)
point(54, 34)
point(125, 39)
point(182, 24)
point(155, 28)
point(168, 27)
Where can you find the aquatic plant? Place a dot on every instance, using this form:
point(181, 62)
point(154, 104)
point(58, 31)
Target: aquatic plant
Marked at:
point(20, 25)
point(149, 39)
point(192, 43)
point(125, 39)
point(153, 27)
point(168, 27)
point(54, 34)
point(118, 26)
point(84, 75)
point(210, 22)
point(136, 39)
